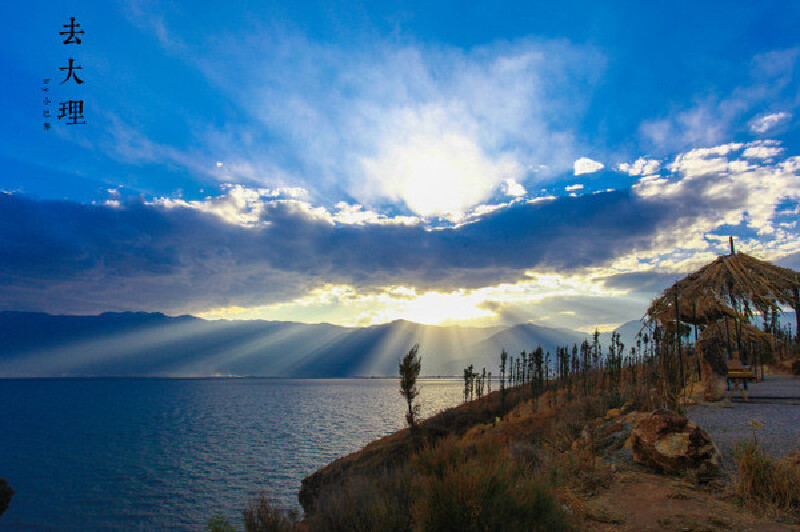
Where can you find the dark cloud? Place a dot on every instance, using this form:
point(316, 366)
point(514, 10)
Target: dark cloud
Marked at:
point(507, 314)
point(643, 282)
point(790, 261)
point(593, 310)
point(62, 256)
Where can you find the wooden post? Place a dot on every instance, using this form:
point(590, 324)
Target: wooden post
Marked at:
point(678, 338)
point(697, 353)
point(797, 315)
point(727, 336)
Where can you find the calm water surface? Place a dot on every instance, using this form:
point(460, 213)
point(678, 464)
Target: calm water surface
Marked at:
point(151, 454)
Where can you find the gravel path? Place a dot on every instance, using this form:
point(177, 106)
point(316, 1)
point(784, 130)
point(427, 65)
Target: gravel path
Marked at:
point(775, 403)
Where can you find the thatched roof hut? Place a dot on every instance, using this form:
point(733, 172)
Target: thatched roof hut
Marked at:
point(721, 296)
point(731, 286)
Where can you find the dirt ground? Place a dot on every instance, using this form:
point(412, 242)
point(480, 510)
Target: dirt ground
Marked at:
point(638, 500)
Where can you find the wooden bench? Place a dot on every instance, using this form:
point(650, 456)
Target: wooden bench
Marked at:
point(739, 377)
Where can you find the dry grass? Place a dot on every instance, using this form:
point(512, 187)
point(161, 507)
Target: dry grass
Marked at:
point(364, 503)
point(464, 470)
point(458, 483)
point(765, 481)
point(570, 420)
point(395, 450)
point(474, 486)
point(492, 476)
point(583, 471)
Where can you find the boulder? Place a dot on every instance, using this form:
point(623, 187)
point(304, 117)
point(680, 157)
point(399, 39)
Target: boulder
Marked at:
point(6, 493)
point(670, 443)
point(714, 384)
point(609, 434)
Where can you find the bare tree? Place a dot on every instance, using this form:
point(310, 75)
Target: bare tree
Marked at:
point(503, 363)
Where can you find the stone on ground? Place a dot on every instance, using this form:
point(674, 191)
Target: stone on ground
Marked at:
point(670, 443)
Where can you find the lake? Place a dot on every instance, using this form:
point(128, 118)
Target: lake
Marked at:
point(148, 454)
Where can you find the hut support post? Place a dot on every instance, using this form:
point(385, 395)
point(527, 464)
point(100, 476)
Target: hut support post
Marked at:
point(678, 339)
point(697, 353)
point(797, 316)
point(727, 336)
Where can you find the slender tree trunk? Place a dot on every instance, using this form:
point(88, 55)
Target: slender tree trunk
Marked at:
point(797, 316)
point(678, 338)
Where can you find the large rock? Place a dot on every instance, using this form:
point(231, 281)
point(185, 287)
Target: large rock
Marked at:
point(670, 443)
point(6, 492)
point(713, 362)
point(606, 436)
point(714, 384)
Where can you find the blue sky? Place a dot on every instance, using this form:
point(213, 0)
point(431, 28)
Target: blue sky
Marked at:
point(440, 162)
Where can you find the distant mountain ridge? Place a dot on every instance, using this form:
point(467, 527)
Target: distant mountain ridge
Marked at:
point(36, 344)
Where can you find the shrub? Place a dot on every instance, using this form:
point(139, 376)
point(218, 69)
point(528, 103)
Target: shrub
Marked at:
point(219, 523)
point(366, 503)
point(6, 494)
point(481, 487)
point(583, 471)
point(764, 480)
point(570, 421)
point(261, 515)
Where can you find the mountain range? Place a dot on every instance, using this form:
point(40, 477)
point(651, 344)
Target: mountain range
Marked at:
point(152, 344)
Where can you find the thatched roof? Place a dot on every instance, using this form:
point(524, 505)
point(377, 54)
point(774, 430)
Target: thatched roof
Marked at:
point(701, 309)
point(731, 282)
point(744, 332)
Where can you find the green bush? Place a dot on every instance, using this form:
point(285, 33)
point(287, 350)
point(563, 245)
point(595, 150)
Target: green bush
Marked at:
point(219, 523)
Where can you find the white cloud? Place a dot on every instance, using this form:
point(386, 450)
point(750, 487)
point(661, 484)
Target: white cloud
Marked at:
point(762, 124)
point(702, 161)
point(728, 184)
point(482, 210)
point(435, 175)
point(572, 188)
point(584, 165)
point(761, 152)
point(641, 167)
point(713, 120)
point(355, 214)
point(247, 207)
point(335, 119)
point(540, 199)
point(438, 128)
point(703, 124)
point(238, 205)
point(513, 189)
